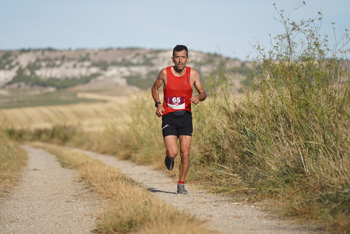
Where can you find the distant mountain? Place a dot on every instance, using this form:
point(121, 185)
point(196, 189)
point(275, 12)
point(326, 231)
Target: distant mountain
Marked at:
point(98, 69)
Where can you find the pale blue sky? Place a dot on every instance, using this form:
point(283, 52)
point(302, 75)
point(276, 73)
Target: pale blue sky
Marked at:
point(227, 27)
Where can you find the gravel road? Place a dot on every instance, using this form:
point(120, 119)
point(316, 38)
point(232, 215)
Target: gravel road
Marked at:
point(220, 213)
point(49, 199)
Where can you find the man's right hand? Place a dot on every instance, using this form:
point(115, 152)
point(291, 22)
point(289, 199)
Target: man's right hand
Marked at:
point(160, 110)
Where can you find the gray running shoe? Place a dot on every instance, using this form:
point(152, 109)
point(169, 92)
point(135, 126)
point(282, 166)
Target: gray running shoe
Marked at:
point(169, 163)
point(181, 189)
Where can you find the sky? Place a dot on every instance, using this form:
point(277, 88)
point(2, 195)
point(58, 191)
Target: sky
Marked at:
point(227, 27)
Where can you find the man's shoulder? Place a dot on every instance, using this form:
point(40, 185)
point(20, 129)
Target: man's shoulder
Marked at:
point(194, 71)
point(162, 73)
point(165, 69)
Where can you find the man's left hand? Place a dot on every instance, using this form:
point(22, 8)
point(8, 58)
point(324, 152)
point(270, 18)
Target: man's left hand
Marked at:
point(195, 99)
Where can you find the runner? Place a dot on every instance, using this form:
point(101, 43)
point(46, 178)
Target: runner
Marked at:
point(175, 111)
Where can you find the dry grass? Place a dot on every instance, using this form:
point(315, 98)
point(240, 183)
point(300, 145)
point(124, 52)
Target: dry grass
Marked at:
point(133, 208)
point(90, 117)
point(241, 147)
point(12, 160)
point(279, 142)
point(237, 149)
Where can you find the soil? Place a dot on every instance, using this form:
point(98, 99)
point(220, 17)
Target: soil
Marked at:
point(50, 200)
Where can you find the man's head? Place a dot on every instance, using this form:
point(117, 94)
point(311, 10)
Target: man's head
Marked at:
point(179, 48)
point(180, 57)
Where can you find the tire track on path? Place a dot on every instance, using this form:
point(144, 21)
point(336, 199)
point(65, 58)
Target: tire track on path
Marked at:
point(48, 199)
point(221, 214)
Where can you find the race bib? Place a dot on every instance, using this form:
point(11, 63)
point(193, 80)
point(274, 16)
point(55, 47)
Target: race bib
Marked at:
point(176, 103)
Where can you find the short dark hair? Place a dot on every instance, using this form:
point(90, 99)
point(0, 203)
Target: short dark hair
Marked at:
point(180, 48)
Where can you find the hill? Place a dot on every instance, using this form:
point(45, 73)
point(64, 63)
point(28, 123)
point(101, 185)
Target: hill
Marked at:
point(112, 71)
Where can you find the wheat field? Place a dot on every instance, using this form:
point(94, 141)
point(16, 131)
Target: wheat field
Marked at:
point(91, 116)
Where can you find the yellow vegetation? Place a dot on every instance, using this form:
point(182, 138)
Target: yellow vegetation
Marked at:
point(12, 160)
point(88, 116)
point(132, 207)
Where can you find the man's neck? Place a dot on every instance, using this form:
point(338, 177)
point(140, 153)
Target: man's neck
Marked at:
point(178, 71)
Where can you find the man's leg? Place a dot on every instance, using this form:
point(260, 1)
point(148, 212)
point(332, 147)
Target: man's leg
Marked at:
point(171, 151)
point(185, 144)
point(171, 146)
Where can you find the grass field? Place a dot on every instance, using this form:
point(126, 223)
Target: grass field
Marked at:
point(36, 97)
point(89, 116)
point(238, 148)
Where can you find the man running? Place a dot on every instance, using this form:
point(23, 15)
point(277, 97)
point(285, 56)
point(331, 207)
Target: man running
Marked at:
point(175, 111)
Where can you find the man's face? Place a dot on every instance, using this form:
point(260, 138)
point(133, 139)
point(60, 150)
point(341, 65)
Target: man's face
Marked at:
point(180, 59)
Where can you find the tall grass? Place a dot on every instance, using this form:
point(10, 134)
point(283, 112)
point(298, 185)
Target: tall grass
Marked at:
point(12, 160)
point(145, 130)
point(290, 137)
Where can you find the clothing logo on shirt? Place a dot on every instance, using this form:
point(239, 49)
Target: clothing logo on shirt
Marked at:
point(187, 80)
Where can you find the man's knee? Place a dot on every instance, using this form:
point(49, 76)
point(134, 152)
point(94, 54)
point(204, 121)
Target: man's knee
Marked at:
point(185, 156)
point(171, 153)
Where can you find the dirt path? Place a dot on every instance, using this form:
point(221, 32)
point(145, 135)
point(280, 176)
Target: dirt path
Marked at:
point(48, 200)
point(222, 215)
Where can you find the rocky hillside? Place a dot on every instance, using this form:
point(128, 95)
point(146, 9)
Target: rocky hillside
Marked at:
point(96, 69)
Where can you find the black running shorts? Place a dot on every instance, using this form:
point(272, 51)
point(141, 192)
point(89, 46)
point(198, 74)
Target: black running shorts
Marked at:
point(177, 124)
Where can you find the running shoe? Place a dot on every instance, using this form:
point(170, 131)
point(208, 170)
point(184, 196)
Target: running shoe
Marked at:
point(169, 163)
point(181, 189)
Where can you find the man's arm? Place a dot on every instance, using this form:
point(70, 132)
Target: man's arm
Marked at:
point(155, 94)
point(202, 95)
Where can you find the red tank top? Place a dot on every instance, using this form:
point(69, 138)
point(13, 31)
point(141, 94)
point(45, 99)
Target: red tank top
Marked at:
point(177, 92)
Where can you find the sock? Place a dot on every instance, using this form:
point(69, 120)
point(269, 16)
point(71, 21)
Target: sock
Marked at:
point(181, 182)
